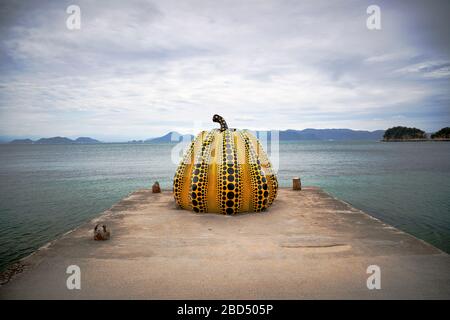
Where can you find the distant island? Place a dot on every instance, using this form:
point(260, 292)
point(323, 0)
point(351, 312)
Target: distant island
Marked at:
point(293, 135)
point(22, 141)
point(284, 135)
point(56, 140)
point(288, 135)
point(404, 133)
point(443, 134)
point(400, 134)
point(171, 137)
point(329, 134)
point(86, 140)
point(392, 134)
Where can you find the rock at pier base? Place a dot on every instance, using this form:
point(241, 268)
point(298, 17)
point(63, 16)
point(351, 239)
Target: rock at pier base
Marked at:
point(156, 188)
point(101, 233)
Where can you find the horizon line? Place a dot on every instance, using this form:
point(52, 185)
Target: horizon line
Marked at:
point(9, 138)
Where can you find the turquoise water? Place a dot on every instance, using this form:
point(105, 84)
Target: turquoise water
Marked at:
point(46, 190)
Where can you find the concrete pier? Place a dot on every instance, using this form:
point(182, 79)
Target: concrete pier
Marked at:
point(307, 245)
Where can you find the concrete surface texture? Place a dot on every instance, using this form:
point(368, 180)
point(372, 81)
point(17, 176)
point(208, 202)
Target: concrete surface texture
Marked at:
point(307, 245)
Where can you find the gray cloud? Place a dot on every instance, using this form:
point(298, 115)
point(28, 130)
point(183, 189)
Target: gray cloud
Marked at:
point(141, 68)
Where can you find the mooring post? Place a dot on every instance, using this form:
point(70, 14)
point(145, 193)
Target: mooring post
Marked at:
point(296, 183)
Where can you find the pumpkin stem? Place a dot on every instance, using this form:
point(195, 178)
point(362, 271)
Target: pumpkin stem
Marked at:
point(223, 123)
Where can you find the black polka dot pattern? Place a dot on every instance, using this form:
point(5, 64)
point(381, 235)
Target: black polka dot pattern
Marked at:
point(199, 177)
point(260, 192)
point(229, 182)
point(178, 182)
point(269, 173)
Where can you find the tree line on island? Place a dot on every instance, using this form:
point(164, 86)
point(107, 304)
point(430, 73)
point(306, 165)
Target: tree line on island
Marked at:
point(413, 134)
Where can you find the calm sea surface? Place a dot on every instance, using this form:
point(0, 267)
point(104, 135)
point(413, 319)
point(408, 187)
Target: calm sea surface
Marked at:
point(46, 190)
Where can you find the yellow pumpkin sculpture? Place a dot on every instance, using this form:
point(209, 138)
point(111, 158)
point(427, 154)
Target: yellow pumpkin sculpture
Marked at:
point(225, 171)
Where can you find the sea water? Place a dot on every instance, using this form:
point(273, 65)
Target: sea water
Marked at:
point(46, 190)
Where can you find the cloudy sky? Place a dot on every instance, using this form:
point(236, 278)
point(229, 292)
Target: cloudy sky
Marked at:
point(138, 69)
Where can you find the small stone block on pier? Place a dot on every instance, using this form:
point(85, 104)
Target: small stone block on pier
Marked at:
point(296, 183)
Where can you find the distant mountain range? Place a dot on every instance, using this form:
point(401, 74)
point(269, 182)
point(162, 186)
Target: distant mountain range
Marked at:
point(56, 140)
point(285, 135)
point(171, 137)
point(330, 134)
point(294, 135)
